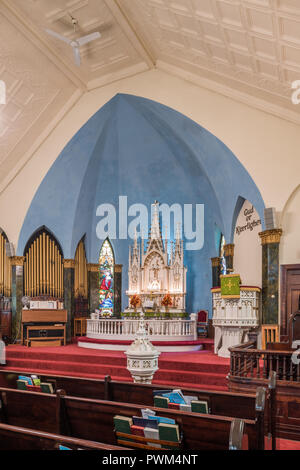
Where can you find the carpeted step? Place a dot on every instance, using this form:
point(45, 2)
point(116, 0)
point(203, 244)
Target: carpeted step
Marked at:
point(46, 356)
point(116, 371)
point(192, 369)
point(159, 383)
point(83, 369)
point(203, 386)
point(190, 377)
point(194, 366)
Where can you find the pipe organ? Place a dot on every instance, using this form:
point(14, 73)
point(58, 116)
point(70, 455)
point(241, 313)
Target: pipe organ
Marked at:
point(80, 272)
point(43, 266)
point(5, 268)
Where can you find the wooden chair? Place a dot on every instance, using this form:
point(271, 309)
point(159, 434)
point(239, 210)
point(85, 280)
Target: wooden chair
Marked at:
point(202, 323)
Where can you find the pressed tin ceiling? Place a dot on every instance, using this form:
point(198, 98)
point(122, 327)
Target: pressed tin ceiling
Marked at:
point(248, 50)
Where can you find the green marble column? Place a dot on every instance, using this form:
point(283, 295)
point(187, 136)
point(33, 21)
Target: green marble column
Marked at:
point(17, 282)
point(229, 253)
point(69, 265)
point(93, 286)
point(216, 271)
point(270, 240)
point(118, 289)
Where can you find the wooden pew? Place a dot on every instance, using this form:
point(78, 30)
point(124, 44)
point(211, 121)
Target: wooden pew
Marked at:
point(232, 404)
point(92, 419)
point(18, 438)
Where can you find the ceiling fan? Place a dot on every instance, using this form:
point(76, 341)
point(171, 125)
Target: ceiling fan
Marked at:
point(75, 43)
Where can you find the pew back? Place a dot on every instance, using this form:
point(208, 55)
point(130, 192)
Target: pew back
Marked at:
point(238, 405)
point(18, 438)
point(92, 419)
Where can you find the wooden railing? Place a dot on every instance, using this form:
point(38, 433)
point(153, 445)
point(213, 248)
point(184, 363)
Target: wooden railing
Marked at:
point(247, 361)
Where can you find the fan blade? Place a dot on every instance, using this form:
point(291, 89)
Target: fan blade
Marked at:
point(88, 38)
point(58, 36)
point(77, 56)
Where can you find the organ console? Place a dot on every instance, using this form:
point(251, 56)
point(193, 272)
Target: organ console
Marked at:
point(43, 327)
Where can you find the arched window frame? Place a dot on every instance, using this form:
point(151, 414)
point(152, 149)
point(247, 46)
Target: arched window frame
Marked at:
point(106, 278)
point(222, 255)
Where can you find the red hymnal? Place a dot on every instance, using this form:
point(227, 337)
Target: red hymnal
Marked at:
point(33, 388)
point(174, 406)
point(137, 430)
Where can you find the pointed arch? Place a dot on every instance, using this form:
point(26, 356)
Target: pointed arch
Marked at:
point(106, 277)
point(43, 265)
point(80, 271)
point(222, 254)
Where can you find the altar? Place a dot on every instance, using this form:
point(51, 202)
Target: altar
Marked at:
point(156, 287)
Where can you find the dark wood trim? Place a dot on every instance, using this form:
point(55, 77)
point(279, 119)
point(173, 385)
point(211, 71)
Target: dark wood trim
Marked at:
point(284, 269)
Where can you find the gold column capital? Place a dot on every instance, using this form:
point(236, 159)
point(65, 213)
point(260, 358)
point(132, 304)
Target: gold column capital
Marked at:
point(215, 261)
point(17, 260)
point(229, 249)
point(69, 263)
point(92, 267)
point(270, 236)
point(118, 268)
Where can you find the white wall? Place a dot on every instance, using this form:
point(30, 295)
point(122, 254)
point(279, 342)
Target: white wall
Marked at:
point(247, 246)
point(290, 242)
point(267, 146)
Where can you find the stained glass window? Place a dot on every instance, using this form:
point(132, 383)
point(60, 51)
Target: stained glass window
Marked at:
point(222, 256)
point(106, 278)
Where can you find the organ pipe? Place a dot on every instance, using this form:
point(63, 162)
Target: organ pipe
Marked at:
point(80, 272)
point(43, 269)
point(5, 268)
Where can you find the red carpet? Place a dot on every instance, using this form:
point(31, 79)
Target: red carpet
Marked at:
point(198, 369)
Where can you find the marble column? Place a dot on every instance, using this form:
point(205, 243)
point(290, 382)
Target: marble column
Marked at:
point(229, 253)
point(270, 240)
point(118, 290)
point(93, 286)
point(216, 271)
point(17, 282)
point(69, 265)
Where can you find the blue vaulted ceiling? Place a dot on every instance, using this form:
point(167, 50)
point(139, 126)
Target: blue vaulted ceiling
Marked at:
point(145, 151)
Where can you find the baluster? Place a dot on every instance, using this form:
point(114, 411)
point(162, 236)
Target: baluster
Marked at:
point(291, 376)
point(251, 365)
point(298, 372)
point(264, 367)
point(284, 367)
point(257, 366)
point(235, 363)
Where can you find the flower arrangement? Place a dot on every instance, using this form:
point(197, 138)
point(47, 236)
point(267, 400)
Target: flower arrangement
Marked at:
point(167, 301)
point(135, 301)
point(106, 313)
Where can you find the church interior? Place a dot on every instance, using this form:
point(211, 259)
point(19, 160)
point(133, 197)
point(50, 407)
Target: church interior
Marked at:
point(149, 225)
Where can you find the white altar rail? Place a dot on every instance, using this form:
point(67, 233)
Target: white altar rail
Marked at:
point(158, 330)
